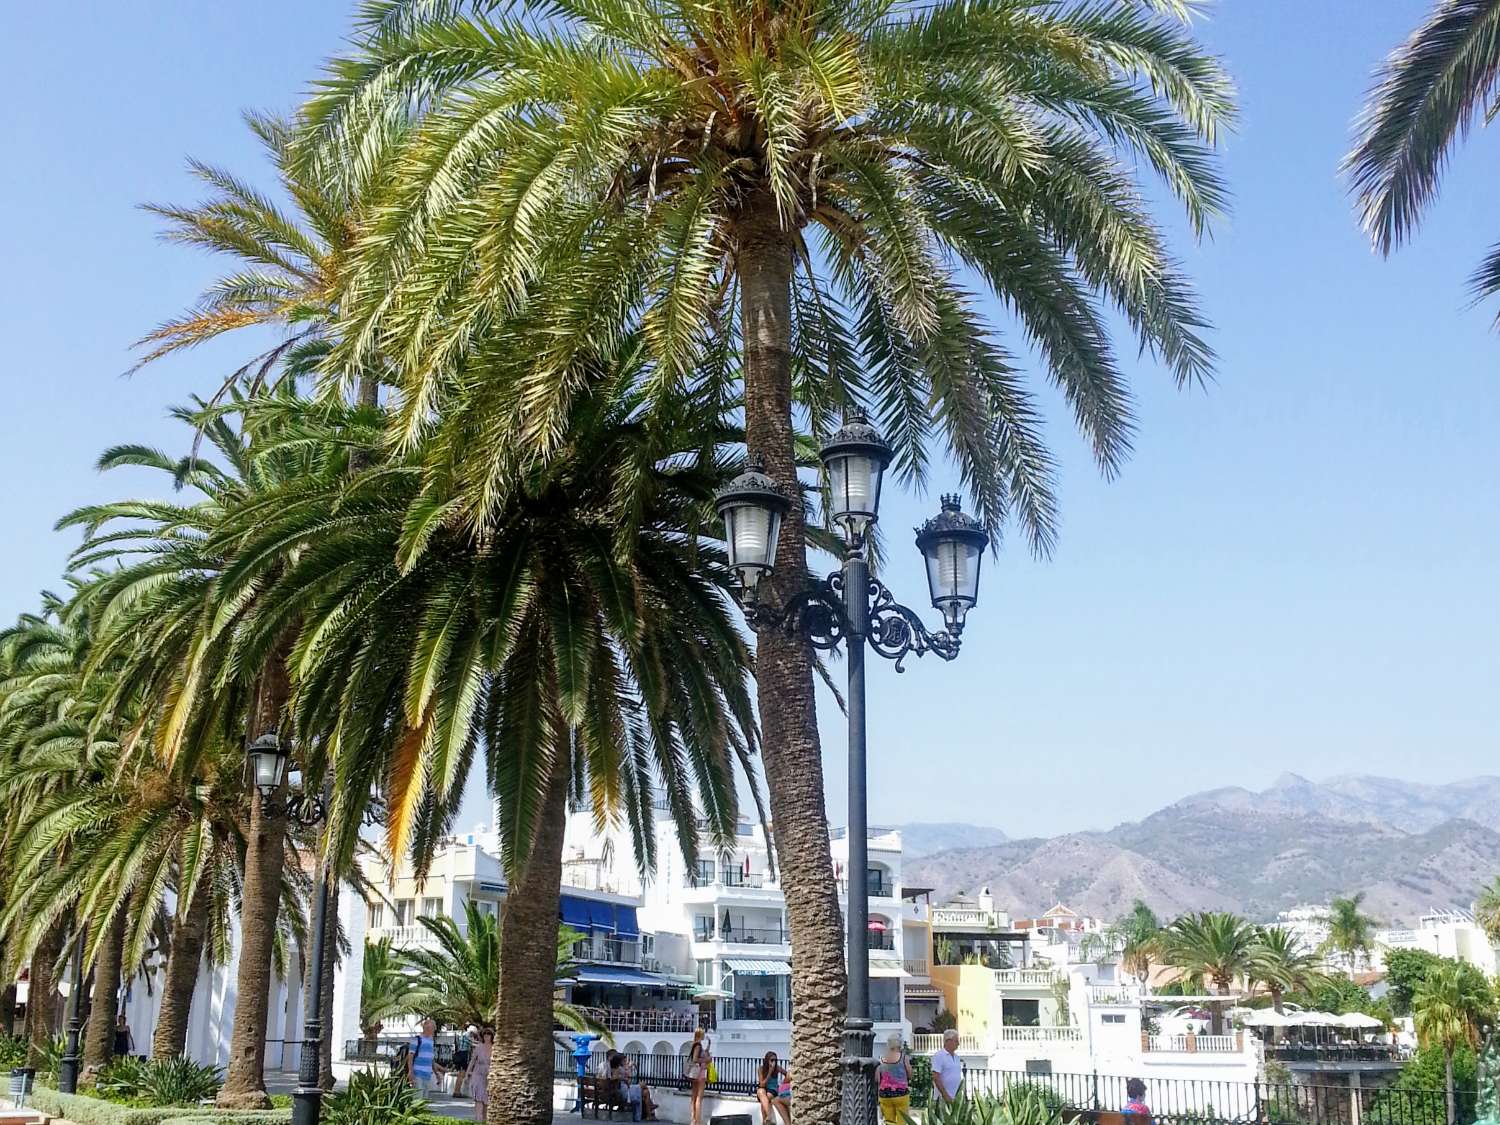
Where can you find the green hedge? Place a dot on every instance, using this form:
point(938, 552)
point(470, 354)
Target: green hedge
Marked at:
point(94, 1111)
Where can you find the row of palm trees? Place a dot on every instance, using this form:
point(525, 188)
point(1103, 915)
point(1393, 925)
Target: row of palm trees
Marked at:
point(539, 274)
point(538, 279)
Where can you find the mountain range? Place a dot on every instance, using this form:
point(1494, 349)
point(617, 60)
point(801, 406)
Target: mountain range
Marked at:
point(1409, 847)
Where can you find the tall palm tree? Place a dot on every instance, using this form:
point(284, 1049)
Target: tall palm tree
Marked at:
point(385, 987)
point(458, 982)
point(1426, 95)
point(582, 639)
point(1351, 932)
point(1451, 1008)
point(1215, 945)
point(1138, 937)
point(1279, 961)
point(1487, 910)
point(802, 184)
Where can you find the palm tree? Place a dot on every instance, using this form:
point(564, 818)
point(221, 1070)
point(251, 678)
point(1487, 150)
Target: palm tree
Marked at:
point(801, 184)
point(583, 640)
point(1215, 945)
point(1138, 938)
point(1487, 910)
point(1426, 95)
point(1451, 1008)
point(385, 987)
point(1279, 961)
point(1351, 932)
point(458, 982)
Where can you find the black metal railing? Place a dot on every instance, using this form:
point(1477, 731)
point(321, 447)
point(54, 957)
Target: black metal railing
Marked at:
point(731, 1075)
point(765, 1011)
point(1337, 1052)
point(880, 939)
point(756, 935)
point(885, 1012)
point(386, 1048)
point(1181, 1101)
point(614, 951)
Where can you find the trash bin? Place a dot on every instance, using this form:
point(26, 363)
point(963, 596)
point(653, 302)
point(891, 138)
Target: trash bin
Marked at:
point(21, 1079)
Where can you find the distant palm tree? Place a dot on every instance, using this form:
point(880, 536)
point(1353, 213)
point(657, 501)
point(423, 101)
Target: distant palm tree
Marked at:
point(1351, 932)
point(1279, 961)
point(1451, 1008)
point(1138, 937)
point(1427, 94)
point(458, 983)
point(1487, 910)
point(385, 987)
point(1215, 945)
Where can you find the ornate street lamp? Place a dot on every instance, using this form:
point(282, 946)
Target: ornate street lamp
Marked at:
point(850, 604)
point(71, 1062)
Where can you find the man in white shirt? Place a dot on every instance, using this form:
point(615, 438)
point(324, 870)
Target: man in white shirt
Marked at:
point(947, 1068)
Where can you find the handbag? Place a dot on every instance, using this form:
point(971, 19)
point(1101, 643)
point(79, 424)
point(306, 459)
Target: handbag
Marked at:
point(713, 1071)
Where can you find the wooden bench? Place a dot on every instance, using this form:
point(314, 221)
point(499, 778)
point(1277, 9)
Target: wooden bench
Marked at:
point(601, 1093)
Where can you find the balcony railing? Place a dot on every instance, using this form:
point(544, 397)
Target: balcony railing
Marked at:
point(949, 916)
point(633, 1019)
point(1114, 995)
point(758, 1011)
point(926, 1044)
point(881, 939)
point(755, 935)
point(1007, 1035)
point(1039, 978)
point(732, 879)
point(916, 966)
point(1336, 1052)
point(878, 888)
point(613, 951)
point(1193, 1044)
point(406, 937)
point(885, 1012)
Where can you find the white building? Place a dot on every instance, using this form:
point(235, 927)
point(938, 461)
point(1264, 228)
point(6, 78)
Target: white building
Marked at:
point(1447, 933)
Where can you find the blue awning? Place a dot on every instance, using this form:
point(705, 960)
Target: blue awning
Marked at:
point(602, 915)
point(590, 974)
point(625, 923)
point(575, 913)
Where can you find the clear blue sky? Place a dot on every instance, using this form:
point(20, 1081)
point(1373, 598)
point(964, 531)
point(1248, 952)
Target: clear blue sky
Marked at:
point(1296, 571)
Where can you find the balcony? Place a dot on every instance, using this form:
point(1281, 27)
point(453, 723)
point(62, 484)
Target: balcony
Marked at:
point(610, 951)
point(1055, 1035)
point(758, 1011)
point(405, 937)
point(743, 935)
point(1336, 1052)
point(969, 918)
point(1194, 1044)
point(915, 966)
point(1025, 978)
point(732, 880)
point(885, 1012)
point(882, 940)
point(1114, 996)
point(878, 887)
point(642, 1020)
point(927, 1044)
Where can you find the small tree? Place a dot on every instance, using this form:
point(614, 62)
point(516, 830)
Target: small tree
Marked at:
point(1351, 932)
point(1451, 1009)
point(1279, 961)
point(1215, 945)
point(385, 987)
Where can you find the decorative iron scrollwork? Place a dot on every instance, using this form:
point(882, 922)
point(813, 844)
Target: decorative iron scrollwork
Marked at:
point(818, 615)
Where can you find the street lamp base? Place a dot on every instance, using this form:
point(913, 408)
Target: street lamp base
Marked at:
point(307, 1104)
point(861, 1105)
point(67, 1074)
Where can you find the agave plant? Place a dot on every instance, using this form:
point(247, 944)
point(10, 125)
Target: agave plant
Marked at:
point(373, 1098)
point(159, 1083)
point(1026, 1103)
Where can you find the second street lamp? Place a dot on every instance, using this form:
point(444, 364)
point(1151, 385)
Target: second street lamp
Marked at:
point(851, 605)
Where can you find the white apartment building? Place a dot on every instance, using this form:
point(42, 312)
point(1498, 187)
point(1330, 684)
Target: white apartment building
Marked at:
point(722, 925)
point(1448, 933)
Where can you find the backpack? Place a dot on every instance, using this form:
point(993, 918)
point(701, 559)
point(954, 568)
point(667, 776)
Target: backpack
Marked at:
point(400, 1059)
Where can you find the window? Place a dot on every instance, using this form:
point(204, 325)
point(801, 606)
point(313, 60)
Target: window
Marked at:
point(486, 908)
point(376, 917)
point(705, 873)
point(1114, 1017)
point(431, 907)
point(703, 927)
point(706, 974)
point(648, 945)
point(405, 913)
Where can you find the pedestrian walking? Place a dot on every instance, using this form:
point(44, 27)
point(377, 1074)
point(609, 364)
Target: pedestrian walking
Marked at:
point(948, 1068)
point(894, 1077)
point(422, 1070)
point(478, 1078)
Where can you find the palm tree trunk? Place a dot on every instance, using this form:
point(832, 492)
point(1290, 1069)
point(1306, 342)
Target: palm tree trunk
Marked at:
point(184, 959)
point(784, 675)
point(265, 856)
point(8, 1010)
point(1448, 1081)
point(1276, 1000)
point(41, 995)
point(99, 1037)
point(521, 1066)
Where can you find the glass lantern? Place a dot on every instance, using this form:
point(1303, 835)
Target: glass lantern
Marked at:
point(268, 762)
point(752, 506)
point(953, 545)
point(856, 457)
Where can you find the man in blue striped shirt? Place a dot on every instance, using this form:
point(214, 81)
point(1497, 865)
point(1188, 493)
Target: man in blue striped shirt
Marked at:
point(422, 1070)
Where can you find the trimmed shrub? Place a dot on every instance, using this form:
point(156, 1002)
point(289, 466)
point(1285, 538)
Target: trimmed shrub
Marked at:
point(1026, 1103)
point(95, 1111)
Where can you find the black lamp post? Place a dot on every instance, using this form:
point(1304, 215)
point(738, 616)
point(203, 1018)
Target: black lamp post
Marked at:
point(851, 604)
point(69, 1065)
point(267, 761)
